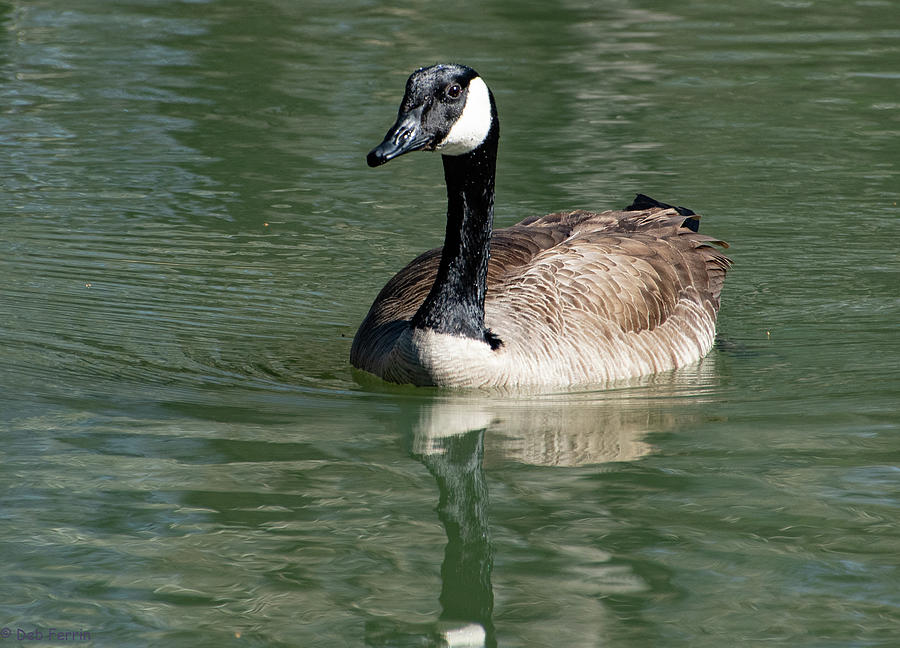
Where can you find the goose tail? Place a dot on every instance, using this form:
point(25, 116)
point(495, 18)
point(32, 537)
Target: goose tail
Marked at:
point(643, 201)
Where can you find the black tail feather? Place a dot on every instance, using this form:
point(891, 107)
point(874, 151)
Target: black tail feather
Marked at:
point(642, 201)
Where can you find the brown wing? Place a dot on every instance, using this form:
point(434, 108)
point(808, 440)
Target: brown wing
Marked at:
point(628, 267)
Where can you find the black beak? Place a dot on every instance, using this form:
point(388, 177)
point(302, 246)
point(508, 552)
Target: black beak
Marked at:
point(404, 136)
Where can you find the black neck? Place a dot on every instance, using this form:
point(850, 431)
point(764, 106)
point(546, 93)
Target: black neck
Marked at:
point(455, 304)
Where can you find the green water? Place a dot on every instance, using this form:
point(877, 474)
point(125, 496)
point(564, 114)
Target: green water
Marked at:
point(189, 237)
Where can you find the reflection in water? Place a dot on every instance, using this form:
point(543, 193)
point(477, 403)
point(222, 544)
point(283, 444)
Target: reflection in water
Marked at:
point(467, 599)
point(579, 429)
point(542, 433)
point(457, 435)
point(466, 594)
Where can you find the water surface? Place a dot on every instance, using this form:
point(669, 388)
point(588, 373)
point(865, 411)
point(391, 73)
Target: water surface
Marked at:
point(190, 237)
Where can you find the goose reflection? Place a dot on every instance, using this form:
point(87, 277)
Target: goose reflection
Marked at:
point(467, 599)
point(457, 436)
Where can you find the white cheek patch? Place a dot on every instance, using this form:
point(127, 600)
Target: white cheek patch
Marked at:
point(473, 124)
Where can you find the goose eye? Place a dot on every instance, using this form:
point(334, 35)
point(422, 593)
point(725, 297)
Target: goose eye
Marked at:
point(454, 90)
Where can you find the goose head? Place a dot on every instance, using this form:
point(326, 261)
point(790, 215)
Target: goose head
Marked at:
point(446, 108)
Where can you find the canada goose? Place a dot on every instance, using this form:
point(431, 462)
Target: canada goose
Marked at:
point(571, 298)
